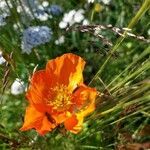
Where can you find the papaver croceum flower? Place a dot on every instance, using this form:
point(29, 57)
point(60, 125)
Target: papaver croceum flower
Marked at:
point(58, 95)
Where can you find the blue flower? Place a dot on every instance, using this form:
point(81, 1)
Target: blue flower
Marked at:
point(34, 36)
point(55, 10)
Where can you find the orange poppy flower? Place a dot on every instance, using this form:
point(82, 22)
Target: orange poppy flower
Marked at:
point(58, 95)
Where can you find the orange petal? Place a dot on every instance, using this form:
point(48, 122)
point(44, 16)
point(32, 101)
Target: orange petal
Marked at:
point(66, 69)
point(84, 98)
point(38, 90)
point(71, 122)
point(74, 123)
point(37, 87)
point(32, 118)
point(59, 118)
point(37, 120)
point(46, 126)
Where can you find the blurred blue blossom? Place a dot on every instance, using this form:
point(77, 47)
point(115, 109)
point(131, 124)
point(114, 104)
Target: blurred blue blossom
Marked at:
point(34, 36)
point(55, 10)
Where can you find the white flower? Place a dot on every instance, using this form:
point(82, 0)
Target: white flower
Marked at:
point(45, 3)
point(78, 17)
point(60, 40)
point(62, 25)
point(90, 1)
point(4, 7)
point(71, 18)
point(41, 15)
point(19, 9)
point(68, 17)
point(106, 2)
point(3, 4)
point(85, 22)
point(17, 87)
point(2, 60)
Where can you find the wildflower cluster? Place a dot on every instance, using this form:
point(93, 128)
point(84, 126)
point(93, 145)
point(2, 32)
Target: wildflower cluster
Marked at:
point(73, 17)
point(34, 36)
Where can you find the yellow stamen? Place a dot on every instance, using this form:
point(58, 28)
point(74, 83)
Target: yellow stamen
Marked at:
point(62, 98)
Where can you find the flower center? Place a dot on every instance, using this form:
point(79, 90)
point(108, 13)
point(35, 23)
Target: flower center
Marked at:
point(61, 100)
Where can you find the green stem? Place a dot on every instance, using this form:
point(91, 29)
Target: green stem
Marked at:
point(145, 67)
point(145, 52)
point(123, 105)
point(135, 19)
point(140, 13)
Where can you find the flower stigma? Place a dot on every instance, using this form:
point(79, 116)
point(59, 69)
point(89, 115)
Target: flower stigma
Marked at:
point(62, 98)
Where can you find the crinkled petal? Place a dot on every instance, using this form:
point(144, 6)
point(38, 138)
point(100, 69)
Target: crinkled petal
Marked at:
point(60, 118)
point(78, 127)
point(37, 120)
point(71, 122)
point(32, 118)
point(37, 87)
point(84, 99)
point(46, 126)
point(67, 70)
point(84, 96)
point(74, 123)
point(38, 90)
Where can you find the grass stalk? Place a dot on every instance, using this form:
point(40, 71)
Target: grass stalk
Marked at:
point(145, 6)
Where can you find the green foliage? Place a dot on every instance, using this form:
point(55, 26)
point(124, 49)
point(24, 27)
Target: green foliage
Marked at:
point(120, 72)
